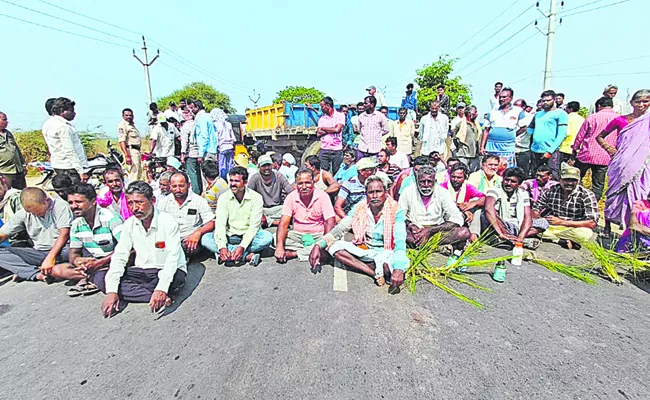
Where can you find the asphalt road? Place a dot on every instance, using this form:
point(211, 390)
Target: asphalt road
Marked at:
point(279, 332)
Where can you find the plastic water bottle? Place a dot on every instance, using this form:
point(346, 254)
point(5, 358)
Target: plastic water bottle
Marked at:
point(517, 254)
point(455, 256)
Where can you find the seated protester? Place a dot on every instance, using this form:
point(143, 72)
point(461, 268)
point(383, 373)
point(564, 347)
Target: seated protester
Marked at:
point(313, 216)
point(192, 213)
point(543, 180)
point(159, 269)
point(468, 198)
point(379, 245)
point(273, 187)
point(348, 168)
point(386, 166)
point(9, 205)
point(162, 188)
point(451, 161)
point(486, 178)
point(508, 212)
point(173, 164)
point(323, 180)
point(239, 218)
point(215, 184)
point(396, 157)
point(277, 161)
point(354, 190)
point(407, 177)
point(288, 167)
point(636, 238)
point(439, 166)
point(430, 209)
point(570, 209)
point(46, 221)
point(112, 196)
point(95, 232)
point(61, 184)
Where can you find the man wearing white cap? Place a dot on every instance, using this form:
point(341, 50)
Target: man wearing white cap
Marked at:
point(372, 90)
point(354, 189)
point(288, 168)
point(273, 187)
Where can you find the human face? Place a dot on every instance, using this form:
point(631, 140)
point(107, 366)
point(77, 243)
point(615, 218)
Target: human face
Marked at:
point(457, 179)
point(128, 116)
point(384, 111)
point(434, 158)
point(547, 103)
point(382, 158)
point(80, 205)
point(434, 109)
point(305, 184)
point(426, 184)
point(372, 92)
point(310, 167)
point(326, 108)
point(460, 111)
point(69, 114)
point(140, 206)
point(237, 184)
point(179, 187)
point(529, 109)
point(402, 115)
point(519, 103)
point(348, 159)
point(640, 105)
point(114, 182)
point(490, 167)
point(3, 121)
point(472, 114)
point(192, 108)
point(505, 98)
point(62, 192)
point(366, 173)
point(409, 90)
point(569, 185)
point(497, 88)
point(368, 107)
point(559, 100)
point(611, 92)
point(344, 109)
point(441, 91)
point(266, 170)
point(376, 194)
point(165, 186)
point(390, 147)
point(510, 185)
point(38, 210)
point(451, 164)
point(182, 105)
point(542, 178)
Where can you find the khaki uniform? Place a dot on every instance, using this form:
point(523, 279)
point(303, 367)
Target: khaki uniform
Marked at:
point(129, 134)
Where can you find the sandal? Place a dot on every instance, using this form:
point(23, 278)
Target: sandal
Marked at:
point(380, 281)
point(83, 288)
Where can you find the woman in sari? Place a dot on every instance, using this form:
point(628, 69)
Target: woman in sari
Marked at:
point(629, 170)
point(637, 235)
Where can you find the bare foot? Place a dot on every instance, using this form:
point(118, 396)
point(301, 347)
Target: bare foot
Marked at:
point(168, 302)
point(569, 244)
point(16, 278)
point(380, 281)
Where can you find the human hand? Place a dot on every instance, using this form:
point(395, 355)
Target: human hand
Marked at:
point(396, 279)
point(110, 304)
point(314, 259)
point(547, 155)
point(237, 254)
point(80, 262)
point(84, 178)
point(128, 160)
point(281, 255)
point(47, 265)
point(469, 217)
point(464, 206)
point(200, 160)
point(158, 300)
point(191, 243)
point(508, 237)
point(183, 158)
point(224, 254)
point(482, 151)
point(554, 220)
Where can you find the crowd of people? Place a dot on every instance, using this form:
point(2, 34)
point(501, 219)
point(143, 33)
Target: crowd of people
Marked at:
point(378, 187)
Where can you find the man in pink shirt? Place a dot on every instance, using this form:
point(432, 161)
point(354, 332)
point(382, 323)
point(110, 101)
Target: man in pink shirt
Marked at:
point(330, 128)
point(313, 216)
point(468, 198)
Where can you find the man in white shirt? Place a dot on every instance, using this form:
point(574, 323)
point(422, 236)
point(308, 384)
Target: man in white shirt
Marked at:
point(162, 137)
point(159, 268)
point(372, 91)
point(396, 157)
point(67, 154)
point(434, 129)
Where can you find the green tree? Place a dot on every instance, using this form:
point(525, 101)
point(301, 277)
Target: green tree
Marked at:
point(211, 97)
point(584, 111)
point(440, 73)
point(299, 94)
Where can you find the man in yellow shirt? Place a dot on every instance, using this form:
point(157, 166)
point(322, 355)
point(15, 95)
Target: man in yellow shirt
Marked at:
point(575, 122)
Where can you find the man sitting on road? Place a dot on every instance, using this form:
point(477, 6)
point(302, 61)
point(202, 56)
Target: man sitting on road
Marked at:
point(239, 218)
point(47, 222)
point(508, 212)
point(94, 234)
point(470, 200)
point(9, 205)
point(113, 197)
point(159, 269)
point(570, 209)
point(163, 186)
point(407, 177)
point(386, 165)
point(312, 215)
point(397, 157)
point(216, 185)
point(353, 190)
point(543, 180)
point(273, 187)
point(323, 180)
point(379, 245)
point(62, 184)
point(192, 213)
point(486, 178)
point(430, 209)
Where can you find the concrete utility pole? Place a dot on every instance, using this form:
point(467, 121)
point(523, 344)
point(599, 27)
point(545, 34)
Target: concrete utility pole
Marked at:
point(146, 64)
point(550, 36)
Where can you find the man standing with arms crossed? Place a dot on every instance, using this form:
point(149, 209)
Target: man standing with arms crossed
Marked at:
point(130, 143)
point(330, 128)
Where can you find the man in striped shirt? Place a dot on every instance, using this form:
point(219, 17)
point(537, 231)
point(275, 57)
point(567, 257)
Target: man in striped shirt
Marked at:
point(93, 235)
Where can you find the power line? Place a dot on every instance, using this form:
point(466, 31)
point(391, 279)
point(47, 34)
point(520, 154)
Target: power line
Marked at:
point(91, 18)
point(488, 24)
point(603, 63)
point(64, 31)
point(68, 21)
point(593, 9)
point(582, 6)
point(526, 78)
point(502, 54)
point(597, 75)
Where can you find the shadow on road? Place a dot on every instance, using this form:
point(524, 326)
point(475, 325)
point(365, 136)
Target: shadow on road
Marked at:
point(642, 281)
point(195, 272)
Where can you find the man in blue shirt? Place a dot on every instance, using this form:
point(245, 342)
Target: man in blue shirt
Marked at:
point(549, 130)
point(410, 102)
point(205, 139)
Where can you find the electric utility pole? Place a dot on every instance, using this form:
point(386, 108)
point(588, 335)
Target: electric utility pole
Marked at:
point(550, 36)
point(146, 64)
point(254, 100)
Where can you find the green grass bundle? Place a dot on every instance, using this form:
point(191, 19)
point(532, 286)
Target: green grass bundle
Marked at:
point(580, 273)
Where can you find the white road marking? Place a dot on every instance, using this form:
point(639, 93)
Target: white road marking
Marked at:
point(340, 278)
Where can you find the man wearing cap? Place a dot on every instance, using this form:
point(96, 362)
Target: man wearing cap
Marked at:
point(130, 143)
point(570, 209)
point(273, 187)
point(354, 189)
point(372, 91)
point(330, 127)
point(288, 167)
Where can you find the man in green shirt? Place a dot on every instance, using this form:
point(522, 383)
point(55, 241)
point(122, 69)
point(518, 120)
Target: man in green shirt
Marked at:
point(12, 162)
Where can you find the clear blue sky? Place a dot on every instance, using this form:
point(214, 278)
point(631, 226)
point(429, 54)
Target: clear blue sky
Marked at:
point(340, 47)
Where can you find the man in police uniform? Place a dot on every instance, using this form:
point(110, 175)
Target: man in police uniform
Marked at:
point(130, 142)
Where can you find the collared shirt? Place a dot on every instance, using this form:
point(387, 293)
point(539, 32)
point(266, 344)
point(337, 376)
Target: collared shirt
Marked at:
point(11, 159)
point(100, 239)
point(64, 144)
point(510, 212)
point(433, 133)
point(309, 218)
point(156, 248)
point(225, 136)
point(290, 172)
point(381, 100)
point(494, 102)
point(503, 129)
point(43, 231)
point(620, 107)
point(352, 191)
point(470, 192)
point(128, 133)
point(580, 206)
point(440, 209)
point(235, 218)
point(587, 148)
point(575, 123)
point(534, 191)
point(344, 173)
point(400, 159)
point(479, 180)
point(371, 129)
point(522, 142)
point(410, 102)
point(404, 133)
point(192, 214)
point(548, 130)
point(444, 103)
point(273, 194)
point(331, 141)
point(188, 148)
point(205, 134)
point(212, 192)
point(164, 140)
